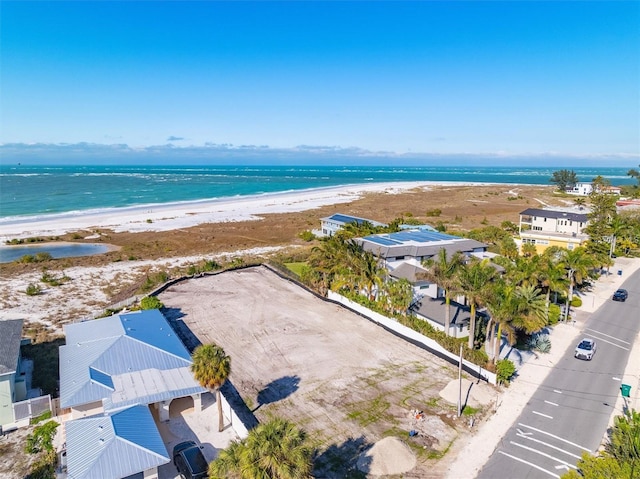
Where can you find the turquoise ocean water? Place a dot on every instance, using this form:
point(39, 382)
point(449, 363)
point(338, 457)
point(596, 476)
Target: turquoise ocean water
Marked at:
point(54, 190)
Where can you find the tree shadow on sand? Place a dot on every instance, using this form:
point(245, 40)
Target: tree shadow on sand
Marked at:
point(277, 390)
point(344, 461)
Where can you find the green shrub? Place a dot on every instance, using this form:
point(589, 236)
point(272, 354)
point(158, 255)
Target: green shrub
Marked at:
point(151, 302)
point(307, 236)
point(576, 302)
point(27, 258)
point(434, 212)
point(41, 439)
point(40, 418)
point(211, 265)
point(33, 290)
point(43, 256)
point(540, 342)
point(504, 371)
point(554, 314)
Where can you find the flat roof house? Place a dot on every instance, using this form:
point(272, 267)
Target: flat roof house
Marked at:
point(111, 370)
point(331, 224)
point(402, 254)
point(12, 386)
point(552, 227)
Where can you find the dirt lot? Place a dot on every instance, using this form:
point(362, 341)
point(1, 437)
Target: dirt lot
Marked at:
point(346, 381)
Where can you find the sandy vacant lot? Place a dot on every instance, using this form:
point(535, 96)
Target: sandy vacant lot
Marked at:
point(343, 379)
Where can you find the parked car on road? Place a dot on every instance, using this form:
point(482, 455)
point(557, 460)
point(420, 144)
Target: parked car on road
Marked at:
point(620, 295)
point(188, 459)
point(586, 349)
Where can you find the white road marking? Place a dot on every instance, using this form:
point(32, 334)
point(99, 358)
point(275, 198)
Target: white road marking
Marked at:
point(530, 464)
point(552, 403)
point(548, 445)
point(522, 433)
point(557, 391)
point(555, 437)
point(543, 415)
point(562, 466)
point(613, 344)
point(548, 456)
point(616, 379)
point(612, 337)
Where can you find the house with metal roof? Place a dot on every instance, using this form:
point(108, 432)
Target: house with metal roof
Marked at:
point(12, 385)
point(118, 444)
point(108, 366)
point(552, 227)
point(331, 224)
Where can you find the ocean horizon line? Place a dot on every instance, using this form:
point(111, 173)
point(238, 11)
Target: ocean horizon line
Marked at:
point(35, 192)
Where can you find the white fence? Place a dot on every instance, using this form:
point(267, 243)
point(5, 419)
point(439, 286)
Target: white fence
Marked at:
point(31, 407)
point(412, 335)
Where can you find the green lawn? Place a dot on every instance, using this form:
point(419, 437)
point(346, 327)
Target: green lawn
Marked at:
point(296, 267)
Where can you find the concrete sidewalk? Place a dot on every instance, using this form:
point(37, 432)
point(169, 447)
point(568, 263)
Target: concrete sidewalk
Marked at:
point(477, 448)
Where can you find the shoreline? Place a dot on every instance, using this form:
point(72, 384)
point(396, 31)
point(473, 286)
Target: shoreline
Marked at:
point(176, 215)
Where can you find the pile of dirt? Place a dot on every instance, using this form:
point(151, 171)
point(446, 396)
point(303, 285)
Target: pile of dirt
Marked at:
point(387, 457)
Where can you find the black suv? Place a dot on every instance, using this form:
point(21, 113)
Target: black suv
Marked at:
point(188, 459)
point(620, 295)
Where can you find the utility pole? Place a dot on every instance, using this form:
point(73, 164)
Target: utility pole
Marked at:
point(460, 384)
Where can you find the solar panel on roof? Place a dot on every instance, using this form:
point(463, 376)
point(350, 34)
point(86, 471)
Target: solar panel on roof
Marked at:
point(381, 240)
point(345, 218)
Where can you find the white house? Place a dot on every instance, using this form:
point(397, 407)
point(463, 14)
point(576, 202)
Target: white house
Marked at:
point(552, 227)
point(331, 224)
point(580, 189)
point(112, 370)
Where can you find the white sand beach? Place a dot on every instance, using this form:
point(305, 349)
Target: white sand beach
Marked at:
point(171, 216)
point(164, 217)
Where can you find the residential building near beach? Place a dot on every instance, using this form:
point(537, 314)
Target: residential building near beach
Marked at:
point(552, 227)
point(331, 224)
point(113, 373)
point(403, 253)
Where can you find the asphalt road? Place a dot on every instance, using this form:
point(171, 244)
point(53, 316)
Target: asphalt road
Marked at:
point(570, 411)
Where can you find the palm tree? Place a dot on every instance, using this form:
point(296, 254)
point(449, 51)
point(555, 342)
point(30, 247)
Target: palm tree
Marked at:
point(475, 282)
point(443, 271)
point(530, 312)
point(577, 263)
point(502, 307)
point(553, 277)
point(273, 450)
point(211, 368)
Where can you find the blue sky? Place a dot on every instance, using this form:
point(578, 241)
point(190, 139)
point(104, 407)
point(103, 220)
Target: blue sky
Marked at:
point(522, 79)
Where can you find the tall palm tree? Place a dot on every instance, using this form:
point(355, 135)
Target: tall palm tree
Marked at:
point(502, 307)
point(475, 280)
point(273, 450)
point(552, 276)
point(211, 368)
point(443, 271)
point(577, 263)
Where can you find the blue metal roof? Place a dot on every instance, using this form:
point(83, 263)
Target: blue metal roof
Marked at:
point(115, 445)
point(150, 327)
point(102, 356)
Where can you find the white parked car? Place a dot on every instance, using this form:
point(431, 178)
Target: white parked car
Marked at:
point(586, 349)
